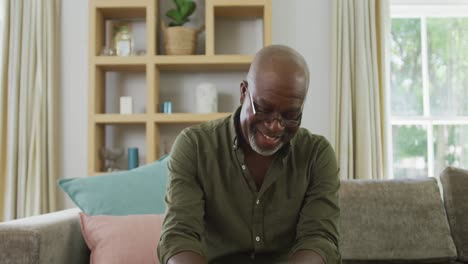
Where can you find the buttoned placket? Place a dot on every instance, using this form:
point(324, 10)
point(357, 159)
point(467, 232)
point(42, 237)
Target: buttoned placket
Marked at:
point(258, 222)
point(257, 211)
point(257, 204)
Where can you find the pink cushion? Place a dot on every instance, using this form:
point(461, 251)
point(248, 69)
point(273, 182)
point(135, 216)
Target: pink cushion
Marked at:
point(122, 239)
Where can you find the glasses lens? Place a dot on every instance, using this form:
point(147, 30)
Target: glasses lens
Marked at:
point(269, 117)
point(289, 123)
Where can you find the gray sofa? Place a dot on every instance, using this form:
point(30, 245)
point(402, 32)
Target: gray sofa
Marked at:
point(393, 221)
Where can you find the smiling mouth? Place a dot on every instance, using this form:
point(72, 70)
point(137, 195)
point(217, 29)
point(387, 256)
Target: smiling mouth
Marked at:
point(270, 139)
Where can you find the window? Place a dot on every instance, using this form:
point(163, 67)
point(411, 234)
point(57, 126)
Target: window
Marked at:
point(429, 87)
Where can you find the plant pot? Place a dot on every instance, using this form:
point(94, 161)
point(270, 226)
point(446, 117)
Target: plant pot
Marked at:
point(180, 40)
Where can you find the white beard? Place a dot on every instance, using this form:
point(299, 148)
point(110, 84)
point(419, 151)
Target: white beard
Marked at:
point(257, 149)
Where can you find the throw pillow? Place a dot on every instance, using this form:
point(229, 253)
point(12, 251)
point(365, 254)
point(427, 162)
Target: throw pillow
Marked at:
point(455, 185)
point(122, 239)
point(401, 220)
point(137, 191)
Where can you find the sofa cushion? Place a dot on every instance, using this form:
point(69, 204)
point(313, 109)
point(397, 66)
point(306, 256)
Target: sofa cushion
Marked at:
point(53, 238)
point(394, 220)
point(122, 239)
point(19, 246)
point(455, 186)
point(401, 262)
point(137, 191)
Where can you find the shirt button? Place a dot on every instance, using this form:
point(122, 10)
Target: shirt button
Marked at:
point(257, 202)
point(257, 239)
point(243, 166)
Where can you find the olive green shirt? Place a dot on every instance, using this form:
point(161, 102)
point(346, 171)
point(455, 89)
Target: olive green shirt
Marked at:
point(215, 209)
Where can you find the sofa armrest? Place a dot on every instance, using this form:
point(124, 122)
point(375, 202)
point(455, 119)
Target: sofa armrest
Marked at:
point(48, 238)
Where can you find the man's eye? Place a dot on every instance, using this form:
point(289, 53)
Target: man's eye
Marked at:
point(261, 109)
point(292, 115)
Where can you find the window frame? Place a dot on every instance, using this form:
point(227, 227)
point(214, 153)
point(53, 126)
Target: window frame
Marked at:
point(422, 9)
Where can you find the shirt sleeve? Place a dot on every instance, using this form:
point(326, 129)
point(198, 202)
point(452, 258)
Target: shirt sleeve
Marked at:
point(317, 228)
point(183, 225)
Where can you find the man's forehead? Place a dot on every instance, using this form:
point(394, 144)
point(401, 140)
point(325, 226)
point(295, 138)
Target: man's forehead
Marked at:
point(286, 97)
point(282, 83)
point(277, 75)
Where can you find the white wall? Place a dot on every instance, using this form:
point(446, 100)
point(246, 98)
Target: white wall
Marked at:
point(302, 24)
point(73, 91)
point(306, 26)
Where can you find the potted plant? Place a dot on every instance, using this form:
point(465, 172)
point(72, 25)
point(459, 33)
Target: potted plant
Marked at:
point(180, 40)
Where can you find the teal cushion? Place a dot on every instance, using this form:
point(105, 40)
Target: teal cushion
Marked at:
point(137, 191)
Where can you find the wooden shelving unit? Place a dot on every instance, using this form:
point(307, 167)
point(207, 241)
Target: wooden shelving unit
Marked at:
point(151, 64)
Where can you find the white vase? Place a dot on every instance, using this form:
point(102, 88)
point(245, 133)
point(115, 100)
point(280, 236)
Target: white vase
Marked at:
point(207, 98)
point(126, 105)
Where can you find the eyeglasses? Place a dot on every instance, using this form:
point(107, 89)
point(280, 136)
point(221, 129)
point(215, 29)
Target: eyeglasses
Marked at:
point(270, 116)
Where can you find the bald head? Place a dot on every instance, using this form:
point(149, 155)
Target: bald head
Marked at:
point(280, 62)
point(272, 99)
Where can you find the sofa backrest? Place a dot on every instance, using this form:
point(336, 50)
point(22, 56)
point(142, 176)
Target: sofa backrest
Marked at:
point(394, 220)
point(455, 186)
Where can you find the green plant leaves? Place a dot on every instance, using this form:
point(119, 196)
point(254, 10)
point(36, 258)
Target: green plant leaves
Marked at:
point(174, 14)
point(179, 15)
point(179, 3)
point(188, 8)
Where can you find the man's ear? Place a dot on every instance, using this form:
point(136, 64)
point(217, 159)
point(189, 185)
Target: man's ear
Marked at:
point(243, 91)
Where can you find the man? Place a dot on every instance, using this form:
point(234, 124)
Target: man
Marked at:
point(254, 187)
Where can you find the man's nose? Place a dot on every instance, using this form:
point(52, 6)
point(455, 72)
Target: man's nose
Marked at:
point(274, 125)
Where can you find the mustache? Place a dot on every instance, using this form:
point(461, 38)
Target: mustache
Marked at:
point(269, 134)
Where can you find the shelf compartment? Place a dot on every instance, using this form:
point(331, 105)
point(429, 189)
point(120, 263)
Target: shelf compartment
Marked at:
point(111, 81)
point(103, 14)
point(197, 21)
point(118, 136)
point(238, 35)
point(180, 88)
point(245, 15)
point(187, 118)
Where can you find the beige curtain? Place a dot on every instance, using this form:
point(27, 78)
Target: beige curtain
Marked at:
point(29, 86)
point(3, 100)
point(359, 109)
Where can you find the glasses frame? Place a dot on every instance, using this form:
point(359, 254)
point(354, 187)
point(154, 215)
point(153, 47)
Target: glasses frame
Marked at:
point(268, 116)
